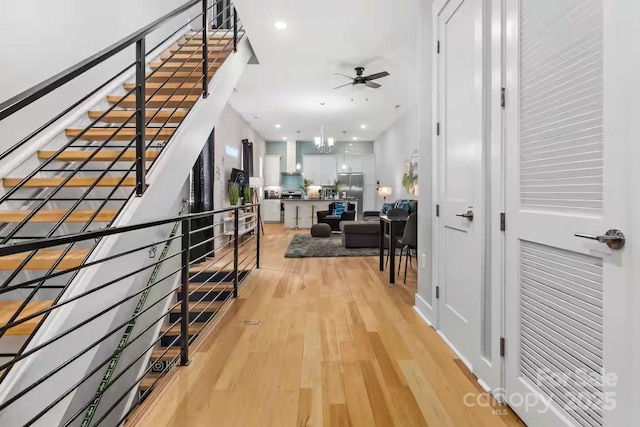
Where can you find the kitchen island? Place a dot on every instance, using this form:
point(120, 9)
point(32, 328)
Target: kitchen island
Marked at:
point(301, 213)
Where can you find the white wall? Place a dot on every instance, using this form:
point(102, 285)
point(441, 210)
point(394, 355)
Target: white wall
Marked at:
point(40, 38)
point(425, 151)
point(230, 132)
point(392, 149)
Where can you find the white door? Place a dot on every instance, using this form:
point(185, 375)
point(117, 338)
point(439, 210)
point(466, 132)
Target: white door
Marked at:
point(460, 177)
point(570, 330)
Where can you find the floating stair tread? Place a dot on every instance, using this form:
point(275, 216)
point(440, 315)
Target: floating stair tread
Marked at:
point(122, 116)
point(148, 381)
point(157, 101)
point(197, 47)
point(171, 88)
point(101, 156)
point(44, 260)
point(201, 307)
point(105, 215)
point(178, 65)
point(180, 76)
point(172, 353)
point(73, 182)
point(225, 34)
point(194, 328)
point(192, 57)
point(8, 308)
point(209, 287)
point(124, 134)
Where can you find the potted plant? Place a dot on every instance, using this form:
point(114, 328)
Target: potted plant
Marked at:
point(336, 188)
point(234, 194)
point(306, 183)
point(247, 195)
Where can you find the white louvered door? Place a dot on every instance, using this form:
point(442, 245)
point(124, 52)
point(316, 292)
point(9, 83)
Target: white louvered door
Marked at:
point(568, 300)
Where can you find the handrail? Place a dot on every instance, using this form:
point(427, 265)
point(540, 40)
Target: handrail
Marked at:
point(36, 92)
point(37, 244)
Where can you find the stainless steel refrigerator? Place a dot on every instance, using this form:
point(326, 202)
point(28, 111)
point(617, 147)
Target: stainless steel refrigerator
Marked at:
point(353, 185)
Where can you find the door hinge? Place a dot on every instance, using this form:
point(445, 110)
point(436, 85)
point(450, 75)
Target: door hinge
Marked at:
point(437, 292)
point(503, 221)
point(438, 47)
point(502, 346)
point(503, 97)
point(437, 210)
point(438, 129)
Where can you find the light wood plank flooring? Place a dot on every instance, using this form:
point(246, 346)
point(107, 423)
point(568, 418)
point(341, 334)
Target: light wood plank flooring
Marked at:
point(335, 346)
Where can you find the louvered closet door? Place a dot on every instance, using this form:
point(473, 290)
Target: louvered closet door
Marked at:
point(566, 297)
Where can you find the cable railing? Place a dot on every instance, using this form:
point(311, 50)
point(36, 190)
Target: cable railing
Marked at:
point(170, 302)
point(149, 111)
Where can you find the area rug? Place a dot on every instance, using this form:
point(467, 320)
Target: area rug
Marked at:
point(305, 246)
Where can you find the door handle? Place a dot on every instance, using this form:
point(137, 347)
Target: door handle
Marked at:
point(468, 215)
point(613, 238)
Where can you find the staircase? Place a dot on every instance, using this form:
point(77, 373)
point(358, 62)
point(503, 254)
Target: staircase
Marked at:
point(84, 184)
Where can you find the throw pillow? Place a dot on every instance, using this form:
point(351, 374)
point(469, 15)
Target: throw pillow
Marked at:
point(403, 204)
point(385, 208)
point(340, 208)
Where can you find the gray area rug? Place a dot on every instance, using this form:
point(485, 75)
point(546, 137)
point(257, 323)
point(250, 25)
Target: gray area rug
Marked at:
point(305, 246)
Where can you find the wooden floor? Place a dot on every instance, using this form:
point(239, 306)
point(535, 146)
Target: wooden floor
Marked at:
point(335, 346)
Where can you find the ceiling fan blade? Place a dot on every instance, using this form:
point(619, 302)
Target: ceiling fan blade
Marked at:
point(348, 84)
point(343, 75)
point(377, 76)
point(373, 85)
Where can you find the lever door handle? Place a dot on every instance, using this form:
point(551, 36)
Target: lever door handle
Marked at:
point(613, 238)
point(468, 215)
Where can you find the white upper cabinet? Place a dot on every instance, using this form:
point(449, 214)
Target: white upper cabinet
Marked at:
point(321, 169)
point(272, 171)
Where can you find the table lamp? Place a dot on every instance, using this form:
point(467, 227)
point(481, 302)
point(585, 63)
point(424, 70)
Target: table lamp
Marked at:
point(385, 192)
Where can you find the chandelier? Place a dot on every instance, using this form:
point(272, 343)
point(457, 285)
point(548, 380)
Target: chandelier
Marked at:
point(321, 145)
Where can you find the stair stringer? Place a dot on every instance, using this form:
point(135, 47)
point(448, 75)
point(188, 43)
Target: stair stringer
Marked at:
point(167, 177)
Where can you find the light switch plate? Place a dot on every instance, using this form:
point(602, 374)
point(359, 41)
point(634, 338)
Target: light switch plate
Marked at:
point(424, 261)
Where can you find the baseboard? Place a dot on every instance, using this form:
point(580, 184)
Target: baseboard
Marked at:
point(456, 351)
point(421, 307)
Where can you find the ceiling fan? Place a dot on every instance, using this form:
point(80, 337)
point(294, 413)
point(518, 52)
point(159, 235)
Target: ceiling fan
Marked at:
point(361, 82)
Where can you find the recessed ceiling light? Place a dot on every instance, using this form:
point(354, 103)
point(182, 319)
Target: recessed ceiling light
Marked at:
point(278, 126)
point(355, 138)
point(363, 126)
point(284, 138)
point(281, 25)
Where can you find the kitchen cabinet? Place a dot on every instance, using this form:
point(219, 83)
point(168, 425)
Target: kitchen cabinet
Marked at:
point(272, 171)
point(271, 210)
point(350, 163)
point(321, 169)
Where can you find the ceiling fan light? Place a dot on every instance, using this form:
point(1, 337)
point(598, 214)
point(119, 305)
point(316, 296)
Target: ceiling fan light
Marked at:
point(360, 86)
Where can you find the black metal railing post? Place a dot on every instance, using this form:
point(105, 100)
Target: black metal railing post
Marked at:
point(184, 293)
point(235, 30)
point(205, 50)
point(236, 237)
point(258, 229)
point(140, 117)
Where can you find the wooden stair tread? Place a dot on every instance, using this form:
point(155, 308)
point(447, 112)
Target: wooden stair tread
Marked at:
point(105, 215)
point(170, 88)
point(201, 307)
point(101, 156)
point(194, 328)
point(178, 65)
point(120, 116)
point(180, 76)
point(197, 47)
point(213, 35)
point(148, 381)
point(193, 57)
point(8, 308)
point(208, 287)
point(44, 259)
point(172, 353)
point(157, 101)
point(73, 182)
point(124, 134)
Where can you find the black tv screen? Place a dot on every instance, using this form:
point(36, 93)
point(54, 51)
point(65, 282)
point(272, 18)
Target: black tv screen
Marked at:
point(238, 177)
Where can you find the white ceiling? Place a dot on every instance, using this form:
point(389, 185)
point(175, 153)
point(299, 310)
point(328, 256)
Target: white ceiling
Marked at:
point(323, 37)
